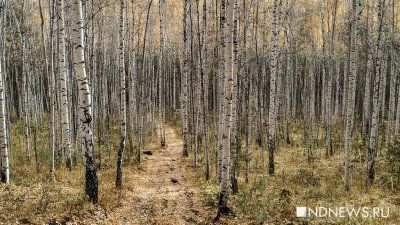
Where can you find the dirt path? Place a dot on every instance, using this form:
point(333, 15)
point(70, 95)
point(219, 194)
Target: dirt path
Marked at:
point(163, 193)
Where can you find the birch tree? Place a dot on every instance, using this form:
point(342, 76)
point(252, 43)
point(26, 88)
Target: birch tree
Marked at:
point(226, 137)
point(62, 67)
point(25, 87)
point(329, 151)
point(161, 74)
point(133, 106)
point(204, 87)
point(184, 81)
point(378, 87)
point(53, 91)
point(234, 103)
point(221, 88)
point(4, 161)
point(142, 111)
point(393, 77)
point(118, 182)
point(85, 102)
point(356, 8)
point(272, 94)
point(369, 72)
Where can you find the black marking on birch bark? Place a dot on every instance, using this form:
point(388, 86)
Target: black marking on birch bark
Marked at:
point(90, 172)
point(88, 117)
point(118, 181)
point(3, 175)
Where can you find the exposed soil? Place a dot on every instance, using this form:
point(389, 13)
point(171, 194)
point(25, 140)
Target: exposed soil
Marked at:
point(163, 192)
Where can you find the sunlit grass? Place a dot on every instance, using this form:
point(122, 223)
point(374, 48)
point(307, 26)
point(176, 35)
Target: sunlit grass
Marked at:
point(34, 196)
point(299, 182)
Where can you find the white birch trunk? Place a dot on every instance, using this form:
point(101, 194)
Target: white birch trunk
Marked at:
point(4, 162)
point(393, 79)
point(272, 89)
point(351, 92)
point(328, 143)
point(392, 99)
point(367, 96)
point(397, 122)
point(53, 93)
point(204, 86)
point(234, 102)
point(160, 73)
point(226, 136)
point(62, 66)
point(221, 89)
point(184, 107)
point(337, 91)
point(121, 71)
point(376, 99)
point(85, 102)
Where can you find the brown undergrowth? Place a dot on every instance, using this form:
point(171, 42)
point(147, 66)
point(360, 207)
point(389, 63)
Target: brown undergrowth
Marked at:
point(160, 190)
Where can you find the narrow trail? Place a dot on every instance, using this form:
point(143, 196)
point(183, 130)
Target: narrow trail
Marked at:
point(163, 193)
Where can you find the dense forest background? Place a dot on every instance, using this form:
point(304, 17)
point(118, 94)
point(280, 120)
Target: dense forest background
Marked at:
point(278, 103)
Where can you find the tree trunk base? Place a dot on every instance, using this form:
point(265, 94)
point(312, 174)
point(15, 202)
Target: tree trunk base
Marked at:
point(91, 180)
point(235, 186)
point(162, 142)
point(68, 163)
point(3, 176)
point(224, 210)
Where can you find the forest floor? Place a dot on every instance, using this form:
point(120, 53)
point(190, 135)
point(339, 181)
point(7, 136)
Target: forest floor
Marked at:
point(165, 188)
point(160, 190)
point(164, 192)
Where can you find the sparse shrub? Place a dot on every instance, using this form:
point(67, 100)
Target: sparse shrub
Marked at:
point(393, 157)
point(306, 177)
point(210, 193)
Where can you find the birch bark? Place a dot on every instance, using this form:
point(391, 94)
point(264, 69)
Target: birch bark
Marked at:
point(272, 95)
point(62, 66)
point(352, 92)
point(226, 136)
point(378, 85)
point(4, 161)
point(85, 102)
point(121, 70)
point(160, 73)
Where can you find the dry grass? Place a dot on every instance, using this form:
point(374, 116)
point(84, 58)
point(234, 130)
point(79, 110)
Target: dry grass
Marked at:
point(33, 197)
point(147, 196)
point(36, 197)
point(299, 182)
